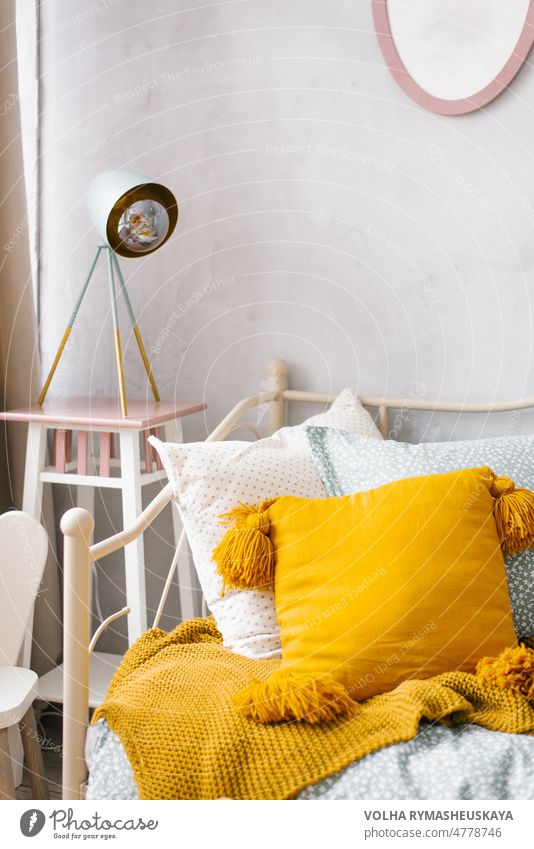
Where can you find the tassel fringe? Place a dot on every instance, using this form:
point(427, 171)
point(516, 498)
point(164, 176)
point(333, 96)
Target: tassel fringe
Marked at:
point(514, 515)
point(292, 695)
point(513, 670)
point(245, 556)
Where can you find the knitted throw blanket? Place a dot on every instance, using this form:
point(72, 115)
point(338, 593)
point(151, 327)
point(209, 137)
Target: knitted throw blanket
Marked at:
point(170, 703)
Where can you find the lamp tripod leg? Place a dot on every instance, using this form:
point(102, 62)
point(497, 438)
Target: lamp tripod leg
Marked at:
point(122, 388)
point(136, 330)
point(54, 365)
point(146, 363)
point(117, 335)
point(68, 329)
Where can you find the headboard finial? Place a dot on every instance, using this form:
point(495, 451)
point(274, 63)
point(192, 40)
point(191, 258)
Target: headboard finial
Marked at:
point(77, 522)
point(277, 371)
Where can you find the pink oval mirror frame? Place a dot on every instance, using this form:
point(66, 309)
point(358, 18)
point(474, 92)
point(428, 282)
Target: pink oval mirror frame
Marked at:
point(437, 104)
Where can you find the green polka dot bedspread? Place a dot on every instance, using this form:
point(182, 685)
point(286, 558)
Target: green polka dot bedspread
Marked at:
point(464, 762)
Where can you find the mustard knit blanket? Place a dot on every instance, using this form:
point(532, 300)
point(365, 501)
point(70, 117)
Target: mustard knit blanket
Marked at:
point(170, 703)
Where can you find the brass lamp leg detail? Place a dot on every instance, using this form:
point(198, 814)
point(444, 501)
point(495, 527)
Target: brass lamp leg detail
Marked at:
point(54, 366)
point(120, 372)
point(146, 362)
point(113, 268)
point(66, 335)
point(135, 328)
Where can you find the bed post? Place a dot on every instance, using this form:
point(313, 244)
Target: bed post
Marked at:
point(277, 372)
point(77, 525)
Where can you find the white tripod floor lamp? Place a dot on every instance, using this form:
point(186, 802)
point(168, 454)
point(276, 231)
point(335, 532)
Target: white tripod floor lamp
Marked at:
point(135, 217)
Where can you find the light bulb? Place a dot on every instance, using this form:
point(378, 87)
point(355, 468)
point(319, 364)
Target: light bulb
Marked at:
point(143, 225)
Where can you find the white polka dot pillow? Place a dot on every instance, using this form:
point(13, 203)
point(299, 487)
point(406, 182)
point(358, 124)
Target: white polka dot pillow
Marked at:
point(209, 478)
point(348, 463)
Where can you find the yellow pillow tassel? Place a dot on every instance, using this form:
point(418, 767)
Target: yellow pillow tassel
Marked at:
point(513, 670)
point(514, 515)
point(288, 695)
point(245, 556)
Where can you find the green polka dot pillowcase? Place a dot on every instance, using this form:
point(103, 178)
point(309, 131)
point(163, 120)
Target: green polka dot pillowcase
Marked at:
point(349, 463)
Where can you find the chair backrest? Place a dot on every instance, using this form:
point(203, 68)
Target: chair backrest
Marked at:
point(23, 553)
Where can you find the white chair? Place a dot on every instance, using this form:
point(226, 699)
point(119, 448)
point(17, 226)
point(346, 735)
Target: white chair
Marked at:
point(23, 552)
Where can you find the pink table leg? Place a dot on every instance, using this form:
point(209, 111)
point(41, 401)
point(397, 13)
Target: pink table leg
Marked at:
point(148, 451)
point(60, 450)
point(82, 452)
point(105, 450)
point(68, 446)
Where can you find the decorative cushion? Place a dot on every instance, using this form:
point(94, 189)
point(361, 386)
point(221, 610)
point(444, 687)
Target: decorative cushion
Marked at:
point(404, 581)
point(208, 478)
point(348, 464)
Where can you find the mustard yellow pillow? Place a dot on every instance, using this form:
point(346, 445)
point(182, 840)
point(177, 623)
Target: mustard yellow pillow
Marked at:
point(404, 581)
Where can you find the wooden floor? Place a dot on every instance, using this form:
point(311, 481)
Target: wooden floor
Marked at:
point(51, 728)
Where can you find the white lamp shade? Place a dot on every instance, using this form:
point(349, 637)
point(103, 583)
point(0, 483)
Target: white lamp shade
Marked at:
point(133, 214)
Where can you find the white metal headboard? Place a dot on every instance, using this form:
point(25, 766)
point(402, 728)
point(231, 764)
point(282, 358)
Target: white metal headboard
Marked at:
point(77, 526)
point(277, 398)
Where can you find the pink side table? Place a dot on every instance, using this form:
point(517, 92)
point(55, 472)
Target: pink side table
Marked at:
point(96, 422)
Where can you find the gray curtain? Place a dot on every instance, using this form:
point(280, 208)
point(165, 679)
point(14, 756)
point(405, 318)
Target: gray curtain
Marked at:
point(18, 336)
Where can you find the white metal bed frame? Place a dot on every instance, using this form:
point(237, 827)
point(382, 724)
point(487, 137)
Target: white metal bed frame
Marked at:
point(77, 526)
